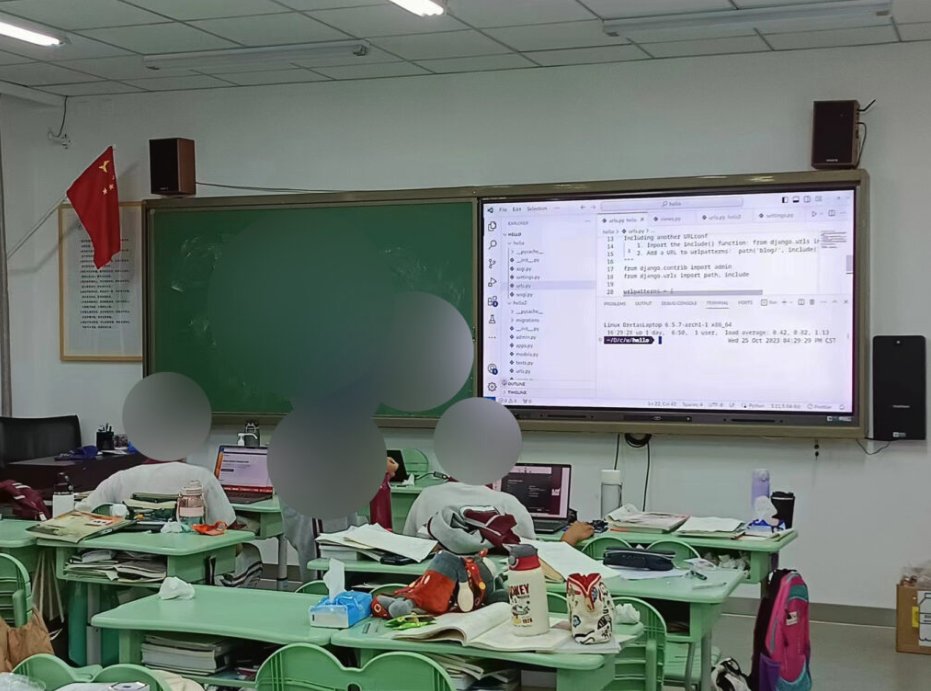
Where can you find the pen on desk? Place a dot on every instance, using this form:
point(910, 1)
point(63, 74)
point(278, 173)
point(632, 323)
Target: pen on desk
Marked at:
point(698, 574)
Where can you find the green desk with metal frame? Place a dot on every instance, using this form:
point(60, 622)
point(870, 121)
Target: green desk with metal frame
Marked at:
point(255, 615)
point(703, 598)
point(574, 671)
point(189, 556)
point(270, 525)
point(16, 541)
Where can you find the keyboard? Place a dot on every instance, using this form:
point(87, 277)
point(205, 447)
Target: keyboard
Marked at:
point(247, 497)
point(548, 526)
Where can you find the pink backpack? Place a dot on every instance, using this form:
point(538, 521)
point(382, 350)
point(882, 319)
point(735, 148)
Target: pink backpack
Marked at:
point(781, 643)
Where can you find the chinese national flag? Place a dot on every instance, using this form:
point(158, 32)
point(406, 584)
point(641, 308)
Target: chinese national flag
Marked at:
point(95, 200)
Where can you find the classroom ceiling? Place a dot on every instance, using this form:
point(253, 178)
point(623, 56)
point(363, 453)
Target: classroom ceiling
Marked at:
point(107, 39)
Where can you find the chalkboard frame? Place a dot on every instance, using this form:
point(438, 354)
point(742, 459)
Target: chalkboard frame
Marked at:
point(314, 200)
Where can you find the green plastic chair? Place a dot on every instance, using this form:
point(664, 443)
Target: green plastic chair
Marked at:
point(678, 667)
point(15, 591)
point(304, 667)
point(55, 673)
point(557, 603)
point(640, 666)
point(388, 588)
point(597, 547)
point(314, 588)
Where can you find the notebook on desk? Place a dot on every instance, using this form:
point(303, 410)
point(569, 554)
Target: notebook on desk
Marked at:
point(243, 473)
point(544, 490)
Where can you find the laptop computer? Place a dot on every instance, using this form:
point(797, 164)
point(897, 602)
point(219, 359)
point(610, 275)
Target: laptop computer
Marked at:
point(243, 473)
point(544, 490)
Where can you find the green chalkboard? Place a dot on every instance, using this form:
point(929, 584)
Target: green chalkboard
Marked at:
point(427, 246)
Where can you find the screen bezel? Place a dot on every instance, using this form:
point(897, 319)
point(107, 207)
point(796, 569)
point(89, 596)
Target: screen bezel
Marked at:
point(804, 424)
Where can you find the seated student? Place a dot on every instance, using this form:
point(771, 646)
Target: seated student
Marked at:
point(457, 494)
point(163, 478)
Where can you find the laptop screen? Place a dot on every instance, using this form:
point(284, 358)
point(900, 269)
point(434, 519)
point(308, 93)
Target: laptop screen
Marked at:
point(243, 468)
point(542, 489)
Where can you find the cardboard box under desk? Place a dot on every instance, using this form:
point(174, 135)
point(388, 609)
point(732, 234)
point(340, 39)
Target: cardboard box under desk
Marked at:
point(907, 620)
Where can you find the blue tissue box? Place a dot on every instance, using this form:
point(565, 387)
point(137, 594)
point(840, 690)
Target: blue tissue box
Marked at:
point(341, 612)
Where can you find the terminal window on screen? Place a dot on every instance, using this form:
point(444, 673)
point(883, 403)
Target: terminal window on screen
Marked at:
point(541, 489)
point(242, 469)
point(740, 301)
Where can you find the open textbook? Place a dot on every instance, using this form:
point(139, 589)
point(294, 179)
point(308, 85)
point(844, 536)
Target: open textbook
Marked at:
point(371, 540)
point(490, 628)
point(75, 526)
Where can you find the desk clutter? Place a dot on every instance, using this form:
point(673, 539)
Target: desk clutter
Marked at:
point(119, 567)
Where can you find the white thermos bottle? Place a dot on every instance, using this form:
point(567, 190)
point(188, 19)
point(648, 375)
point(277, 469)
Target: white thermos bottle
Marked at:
point(610, 491)
point(527, 592)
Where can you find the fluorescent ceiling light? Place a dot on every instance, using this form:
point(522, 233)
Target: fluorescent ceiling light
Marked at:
point(257, 57)
point(423, 8)
point(755, 17)
point(23, 34)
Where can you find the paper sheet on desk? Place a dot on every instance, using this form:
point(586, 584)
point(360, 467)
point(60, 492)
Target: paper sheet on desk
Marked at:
point(645, 575)
point(709, 524)
point(565, 559)
point(376, 537)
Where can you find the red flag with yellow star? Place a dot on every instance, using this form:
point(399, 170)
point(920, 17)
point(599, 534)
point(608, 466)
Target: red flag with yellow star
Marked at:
point(95, 200)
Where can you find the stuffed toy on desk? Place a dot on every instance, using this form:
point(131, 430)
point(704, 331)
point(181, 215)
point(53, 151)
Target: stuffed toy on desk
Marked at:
point(450, 584)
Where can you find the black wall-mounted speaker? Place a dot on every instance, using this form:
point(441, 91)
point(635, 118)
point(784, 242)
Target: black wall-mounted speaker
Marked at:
point(171, 167)
point(835, 135)
point(898, 387)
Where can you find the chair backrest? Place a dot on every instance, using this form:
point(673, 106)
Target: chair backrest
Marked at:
point(314, 588)
point(640, 664)
point(55, 673)
point(681, 549)
point(388, 588)
point(15, 591)
point(557, 603)
point(304, 667)
point(597, 547)
point(22, 438)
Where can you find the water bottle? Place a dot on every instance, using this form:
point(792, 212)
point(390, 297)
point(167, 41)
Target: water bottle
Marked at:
point(191, 508)
point(610, 491)
point(62, 496)
point(760, 487)
point(527, 592)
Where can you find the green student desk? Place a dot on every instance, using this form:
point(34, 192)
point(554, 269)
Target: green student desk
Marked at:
point(702, 599)
point(189, 556)
point(255, 615)
point(574, 671)
point(270, 525)
point(16, 541)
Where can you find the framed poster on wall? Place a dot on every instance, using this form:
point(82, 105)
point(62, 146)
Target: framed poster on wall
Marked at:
point(100, 312)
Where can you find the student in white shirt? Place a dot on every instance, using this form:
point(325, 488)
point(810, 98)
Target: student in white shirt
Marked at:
point(163, 478)
point(457, 494)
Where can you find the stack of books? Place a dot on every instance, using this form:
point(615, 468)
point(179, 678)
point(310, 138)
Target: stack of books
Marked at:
point(188, 655)
point(118, 567)
point(644, 522)
point(726, 528)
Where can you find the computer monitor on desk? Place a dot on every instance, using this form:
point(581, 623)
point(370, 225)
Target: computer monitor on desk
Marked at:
point(543, 489)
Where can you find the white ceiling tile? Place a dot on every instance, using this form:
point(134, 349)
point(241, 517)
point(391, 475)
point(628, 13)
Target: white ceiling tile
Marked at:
point(271, 29)
point(160, 38)
point(82, 14)
point(582, 56)
point(128, 67)
point(484, 63)
point(485, 13)
point(717, 46)
point(292, 76)
point(200, 81)
point(915, 32)
point(374, 55)
point(306, 5)
point(37, 73)
point(385, 20)
point(613, 9)
point(911, 11)
point(90, 89)
point(11, 59)
point(449, 44)
point(553, 36)
point(78, 47)
point(208, 9)
point(832, 39)
point(388, 69)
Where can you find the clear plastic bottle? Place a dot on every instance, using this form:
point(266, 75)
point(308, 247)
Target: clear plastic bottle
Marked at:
point(191, 505)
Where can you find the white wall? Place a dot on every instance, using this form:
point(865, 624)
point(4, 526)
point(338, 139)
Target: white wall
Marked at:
point(861, 517)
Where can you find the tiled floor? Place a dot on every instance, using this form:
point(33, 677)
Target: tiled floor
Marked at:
point(844, 658)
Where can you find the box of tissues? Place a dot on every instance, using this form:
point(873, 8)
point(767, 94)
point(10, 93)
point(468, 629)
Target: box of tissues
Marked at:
point(341, 611)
